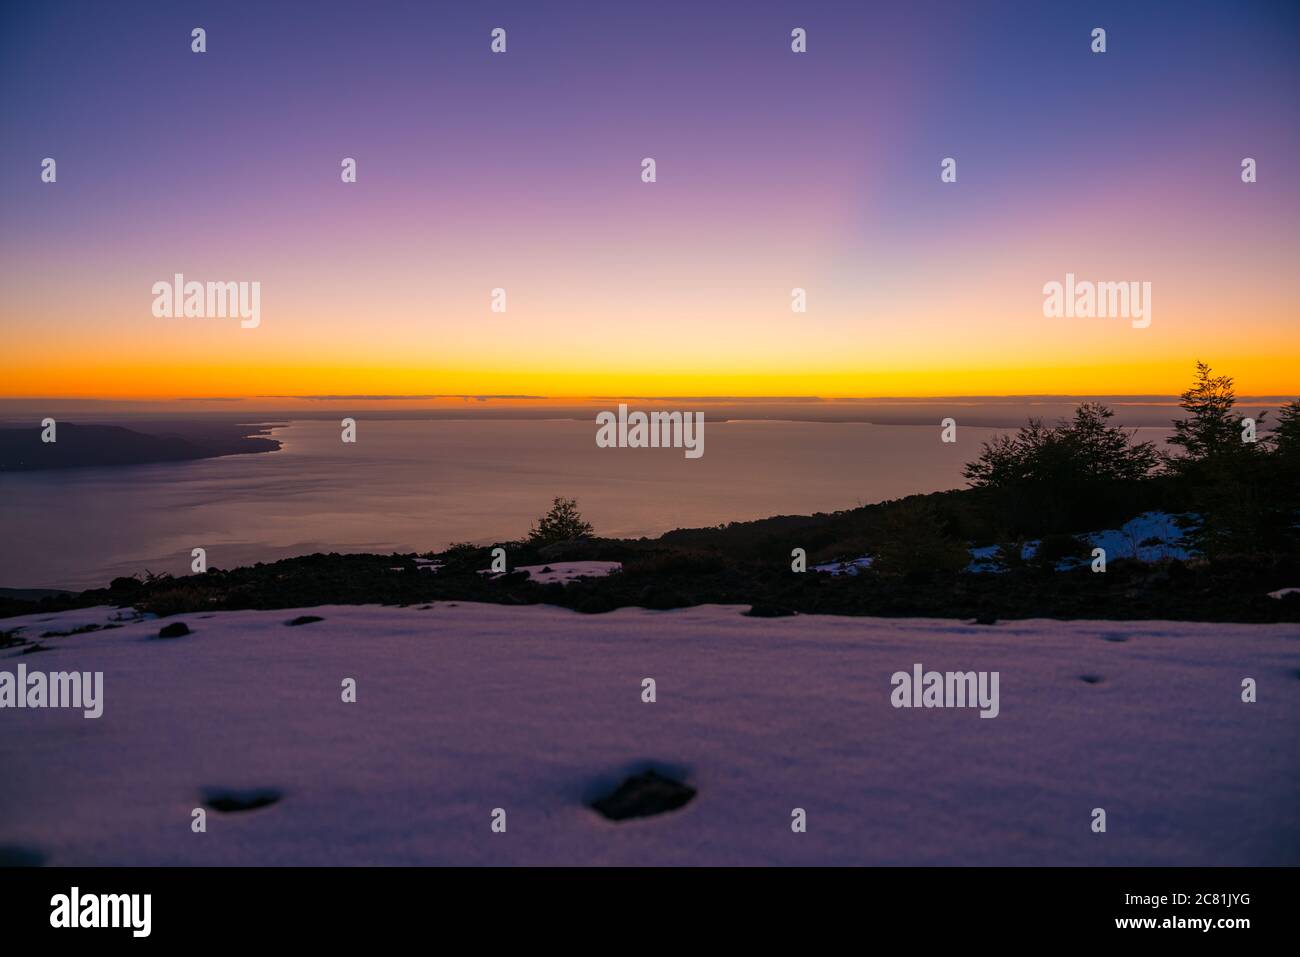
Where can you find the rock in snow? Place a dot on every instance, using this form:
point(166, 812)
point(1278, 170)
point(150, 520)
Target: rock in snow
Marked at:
point(644, 795)
point(538, 711)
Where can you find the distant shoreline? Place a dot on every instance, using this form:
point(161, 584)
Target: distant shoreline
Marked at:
point(70, 445)
point(1008, 411)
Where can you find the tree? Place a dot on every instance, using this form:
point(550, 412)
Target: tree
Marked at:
point(1284, 441)
point(1081, 451)
point(1105, 453)
point(1212, 433)
point(561, 524)
point(1245, 508)
point(1072, 475)
point(1007, 460)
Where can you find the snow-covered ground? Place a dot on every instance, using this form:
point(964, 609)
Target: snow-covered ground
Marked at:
point(562, 572)
point(565, 572)
point(1149, 537)
point(463, 708)
point(845, 568)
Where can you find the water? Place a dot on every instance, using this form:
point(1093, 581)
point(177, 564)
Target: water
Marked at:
point(419, 485)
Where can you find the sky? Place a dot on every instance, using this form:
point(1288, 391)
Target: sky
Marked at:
point(522, 171)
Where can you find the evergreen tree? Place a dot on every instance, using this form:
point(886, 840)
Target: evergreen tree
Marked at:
point(561, 524)
point(1284, 441)
point(1234, 490)
point(1211, 436)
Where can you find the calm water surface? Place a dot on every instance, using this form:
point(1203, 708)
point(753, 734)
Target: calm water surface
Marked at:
point(419, 485)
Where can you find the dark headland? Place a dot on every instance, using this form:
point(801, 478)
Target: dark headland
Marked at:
point(23, 449)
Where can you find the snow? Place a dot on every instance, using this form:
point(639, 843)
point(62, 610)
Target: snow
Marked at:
point(462, 708)
point(845, 568)
point(565, 572)
point(421, 564)
point(1150, 537)
point(1128, 540)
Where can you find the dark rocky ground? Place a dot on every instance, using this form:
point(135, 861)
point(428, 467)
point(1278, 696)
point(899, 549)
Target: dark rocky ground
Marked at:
point(662, 578)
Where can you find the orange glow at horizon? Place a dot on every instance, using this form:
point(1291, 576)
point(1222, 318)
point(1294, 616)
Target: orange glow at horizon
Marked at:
point(123, 380)
point(676, 320)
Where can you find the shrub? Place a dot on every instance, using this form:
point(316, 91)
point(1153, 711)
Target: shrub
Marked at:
point(913, 540)
point(674, 563)
point(178, 600)
point(462, 558)
point(1053, 548)
point(1011, 554)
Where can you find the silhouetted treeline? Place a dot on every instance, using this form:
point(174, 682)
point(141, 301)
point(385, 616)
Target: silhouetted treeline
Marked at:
point(1238, 479)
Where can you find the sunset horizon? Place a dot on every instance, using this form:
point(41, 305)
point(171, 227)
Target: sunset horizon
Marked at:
point(821, 224)
point(1261, 378)
point(680, 437)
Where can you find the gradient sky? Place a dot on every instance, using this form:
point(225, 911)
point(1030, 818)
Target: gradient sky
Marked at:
point(523, 171)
